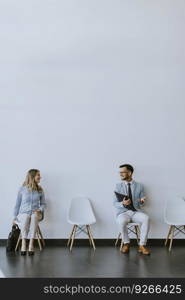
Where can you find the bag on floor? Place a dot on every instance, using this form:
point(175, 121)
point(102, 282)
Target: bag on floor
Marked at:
point(13, 238)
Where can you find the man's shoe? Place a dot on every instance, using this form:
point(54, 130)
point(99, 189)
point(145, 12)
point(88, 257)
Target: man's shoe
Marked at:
point(143, 250)
point(125, 248)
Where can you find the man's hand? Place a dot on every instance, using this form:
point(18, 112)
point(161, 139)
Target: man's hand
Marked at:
point(126, 202)
point(142, 200)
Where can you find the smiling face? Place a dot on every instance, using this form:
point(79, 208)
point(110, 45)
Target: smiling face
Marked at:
point(125, 174)
point(37, 177)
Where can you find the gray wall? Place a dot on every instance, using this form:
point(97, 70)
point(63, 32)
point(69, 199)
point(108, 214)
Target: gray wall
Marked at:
point(86, 86)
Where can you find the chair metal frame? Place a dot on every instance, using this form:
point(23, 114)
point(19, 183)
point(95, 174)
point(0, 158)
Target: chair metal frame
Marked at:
point(172, 232)
point(132, 228)
point(176, 224)
point(76, 230)
point(39, 236)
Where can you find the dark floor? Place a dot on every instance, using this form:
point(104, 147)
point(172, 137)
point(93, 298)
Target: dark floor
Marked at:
point(104, 262)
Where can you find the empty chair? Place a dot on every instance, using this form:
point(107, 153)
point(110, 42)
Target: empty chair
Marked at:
point(2, 274)
point(132, 228)
point(81, 216)
point(174, 216)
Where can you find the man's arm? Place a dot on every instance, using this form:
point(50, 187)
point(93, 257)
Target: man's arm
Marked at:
point(142, 196)
point(116, 203)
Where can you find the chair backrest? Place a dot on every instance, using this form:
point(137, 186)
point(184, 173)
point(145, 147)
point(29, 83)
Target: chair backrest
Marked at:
point(174, 212)
point(80, 211)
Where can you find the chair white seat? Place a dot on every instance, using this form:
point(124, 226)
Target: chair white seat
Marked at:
point(174, 216)
point(2, 274)
point(174, 223)
point(80, 212)
point(81, 216)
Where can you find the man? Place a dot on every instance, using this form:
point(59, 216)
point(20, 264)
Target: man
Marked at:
point(129, 210)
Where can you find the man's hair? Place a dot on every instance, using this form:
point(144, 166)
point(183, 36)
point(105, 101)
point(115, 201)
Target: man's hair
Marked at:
point(129, 167)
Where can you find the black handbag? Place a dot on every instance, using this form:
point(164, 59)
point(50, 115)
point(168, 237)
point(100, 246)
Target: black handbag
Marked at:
point(13, 238)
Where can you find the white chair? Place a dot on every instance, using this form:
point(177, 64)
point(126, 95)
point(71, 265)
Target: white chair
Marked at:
point(174, 216)
point(81, 216)
point(2, 274)
point(132, 228)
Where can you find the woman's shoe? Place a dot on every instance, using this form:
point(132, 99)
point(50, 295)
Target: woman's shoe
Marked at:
point(23, 247)
point(31, 247)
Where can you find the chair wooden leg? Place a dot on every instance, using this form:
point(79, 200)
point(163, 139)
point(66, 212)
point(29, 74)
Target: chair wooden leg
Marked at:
point(169, 231)
point(73, 237)
point(137, 233)
point(172, 234)
point(91, 237)
point(38, 239)
point(42, 239)
point(70, 236)
point(18, 241)
point(121, 245)
point(117, 239)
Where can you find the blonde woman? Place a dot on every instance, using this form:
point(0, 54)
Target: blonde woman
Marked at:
point(29, 207)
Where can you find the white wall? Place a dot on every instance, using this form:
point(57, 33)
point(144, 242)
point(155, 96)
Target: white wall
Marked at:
point(86, 86)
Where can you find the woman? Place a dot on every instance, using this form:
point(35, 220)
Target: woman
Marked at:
point(29, 208)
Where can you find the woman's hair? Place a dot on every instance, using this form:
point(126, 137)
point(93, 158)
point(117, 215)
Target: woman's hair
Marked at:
point(30, 182)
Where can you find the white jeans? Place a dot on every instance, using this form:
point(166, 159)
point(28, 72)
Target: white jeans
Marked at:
point(28, 224)
point(137, 217)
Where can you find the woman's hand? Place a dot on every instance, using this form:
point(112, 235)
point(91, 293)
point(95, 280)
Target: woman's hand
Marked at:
point(38, 214)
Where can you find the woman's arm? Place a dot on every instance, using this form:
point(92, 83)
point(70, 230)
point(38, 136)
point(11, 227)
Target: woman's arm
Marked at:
point(18, 204)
